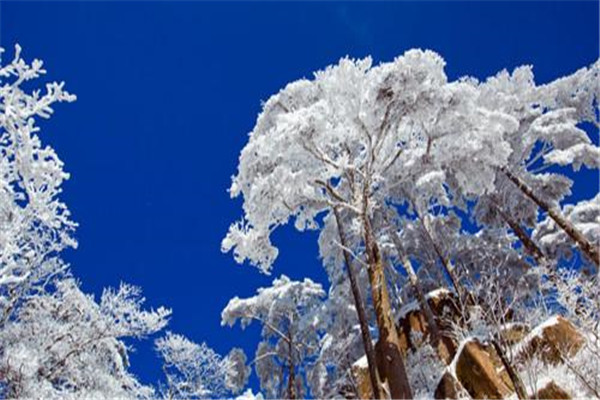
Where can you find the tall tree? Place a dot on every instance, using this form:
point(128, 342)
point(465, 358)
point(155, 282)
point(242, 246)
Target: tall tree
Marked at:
point(35, 226)
point(286, 310)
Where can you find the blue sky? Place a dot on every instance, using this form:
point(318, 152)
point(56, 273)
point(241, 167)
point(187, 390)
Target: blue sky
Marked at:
point(167, 92)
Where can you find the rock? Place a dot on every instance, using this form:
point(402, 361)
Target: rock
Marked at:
point(514, 332)
point(448, 388)
point(551, 341)
point(412, 322)
point(476, 369)
point(552, 391)
point(360, 371)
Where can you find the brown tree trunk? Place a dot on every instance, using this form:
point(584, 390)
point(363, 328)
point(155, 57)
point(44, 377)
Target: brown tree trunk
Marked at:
point(433, 327)
point(360, 310)
point(445, 263)
point(528, 244)
point(291, 389)
point(512, 372)
point(586, 247)
point(392, 359)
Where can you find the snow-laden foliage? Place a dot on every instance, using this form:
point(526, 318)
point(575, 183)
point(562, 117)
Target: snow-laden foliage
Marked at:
point(397, 154)
point(408, 134)
point(34, 224)
point(356, 128)
point(584, 215)
point(63, 344)
point(287, 311)
point(195, 371)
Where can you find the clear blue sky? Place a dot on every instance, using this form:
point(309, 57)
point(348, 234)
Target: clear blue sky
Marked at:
point(169, 90)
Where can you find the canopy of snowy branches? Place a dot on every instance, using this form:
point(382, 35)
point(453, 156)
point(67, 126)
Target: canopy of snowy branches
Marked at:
point(402, 132)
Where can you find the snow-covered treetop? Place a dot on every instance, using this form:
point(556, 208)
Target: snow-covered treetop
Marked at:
point(284, 300)
point(585, 216)
point(34, 223)
point(193, 371)
point(381, 135)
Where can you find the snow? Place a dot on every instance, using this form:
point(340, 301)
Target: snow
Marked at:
point(361, 363)
point(414, 305)
point(536, 332)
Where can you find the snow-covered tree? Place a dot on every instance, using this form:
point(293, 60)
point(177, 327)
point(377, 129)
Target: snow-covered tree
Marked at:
point(195, 371)
point(287, 311)
point(35, 226)
point(366, 139)
point(584, 216)
point(549, 133)
point(63, 344)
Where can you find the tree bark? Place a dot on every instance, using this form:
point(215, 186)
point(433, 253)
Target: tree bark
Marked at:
point(528, 244)
point(432, 325)
point(360, 310)
point(585, 246)
point(445, 263)
point(512, 372)
point(291, 389)
point(393, 362)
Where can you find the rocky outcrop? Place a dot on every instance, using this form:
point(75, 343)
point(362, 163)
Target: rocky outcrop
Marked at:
point(513, 333)
point(449, 388)
point(412, 322)
point(477, 368)
point(550, 341)
point(552, 391)
point(360, 372)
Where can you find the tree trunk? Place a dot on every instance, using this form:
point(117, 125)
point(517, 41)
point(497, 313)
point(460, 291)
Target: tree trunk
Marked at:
point(445, 263)
point(528, 244)
point(464, 295)
point(360, 310)
point(291, 389)
point(392, 359)
point(432, 325)
point(585, 246)
point(512, 372)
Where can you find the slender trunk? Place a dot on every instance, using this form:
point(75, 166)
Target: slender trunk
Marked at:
point(292, 382)
point(512, 372)
point(463, 294)
point(443, 260)
point(585, 245)
point(432, 325)
point(392, 359)
point(360, 310)
point(528, 244)
point(291, 390)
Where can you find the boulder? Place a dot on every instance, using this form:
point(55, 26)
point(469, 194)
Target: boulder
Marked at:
point(551, 341)
point(412, 322)
point(552, 392)
point(477, 369)
point(448, 388)
point(360, 372)
point(513, 333)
